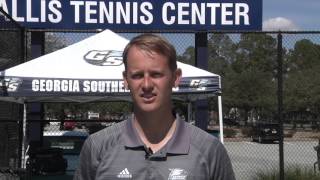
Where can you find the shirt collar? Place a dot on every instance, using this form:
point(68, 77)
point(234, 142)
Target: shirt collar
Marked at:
point(180, 141)
point(131, 137)
point(178, 144)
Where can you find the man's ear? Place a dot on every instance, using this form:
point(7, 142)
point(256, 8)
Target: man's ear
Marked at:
point(124, 75)
point(177, 77)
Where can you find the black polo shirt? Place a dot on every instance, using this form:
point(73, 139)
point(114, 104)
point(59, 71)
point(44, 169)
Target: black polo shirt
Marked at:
point(117, 152)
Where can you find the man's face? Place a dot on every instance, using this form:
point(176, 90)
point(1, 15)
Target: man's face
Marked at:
point(150, 80)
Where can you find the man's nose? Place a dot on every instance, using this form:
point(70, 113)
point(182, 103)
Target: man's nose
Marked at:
point(147, 83)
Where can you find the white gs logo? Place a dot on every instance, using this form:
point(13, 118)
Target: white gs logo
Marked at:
point(10, 84)
point(199, 84)
point(104, 57)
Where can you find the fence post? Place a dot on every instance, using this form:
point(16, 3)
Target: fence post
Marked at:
point(23, 49)
point(201, 54)
point(280, 104)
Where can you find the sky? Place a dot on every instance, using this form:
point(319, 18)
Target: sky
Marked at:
point(291, 15)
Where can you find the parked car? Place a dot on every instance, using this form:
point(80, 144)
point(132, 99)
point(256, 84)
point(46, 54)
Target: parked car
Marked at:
point(265, 132)
point(46, 161)
point(69, 141)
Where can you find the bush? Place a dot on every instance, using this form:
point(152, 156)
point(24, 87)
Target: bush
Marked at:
point(246, 131)
point(293, 173)
point(229, 132)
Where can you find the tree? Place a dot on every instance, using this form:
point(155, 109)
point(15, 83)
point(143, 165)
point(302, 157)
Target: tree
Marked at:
point(302, 84)
point(54, 42)
point(221, 55)
point(188, 56)
point(247, 67)
point(251, 79)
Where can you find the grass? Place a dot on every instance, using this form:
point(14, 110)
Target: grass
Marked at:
point(292, 173)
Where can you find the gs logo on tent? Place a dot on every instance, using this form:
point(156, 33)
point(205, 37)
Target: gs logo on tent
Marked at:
point(104, 57)
point(11, 84)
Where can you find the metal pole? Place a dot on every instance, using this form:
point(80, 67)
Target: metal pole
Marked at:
point(220, 118)
point(23, 144)
point(22, 120)
point(280, 104)
point(201, 54)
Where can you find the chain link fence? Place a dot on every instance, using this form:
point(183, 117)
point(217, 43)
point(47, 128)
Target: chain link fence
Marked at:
point(11, 54)
point(247, 63)
point(301, 99)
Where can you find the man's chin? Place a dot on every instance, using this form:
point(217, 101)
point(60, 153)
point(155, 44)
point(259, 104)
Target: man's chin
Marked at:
point(148, 108)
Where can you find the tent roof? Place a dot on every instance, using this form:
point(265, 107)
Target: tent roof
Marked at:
point(90, 70)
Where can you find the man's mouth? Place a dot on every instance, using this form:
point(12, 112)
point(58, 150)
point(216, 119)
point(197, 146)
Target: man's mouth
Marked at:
point(148, 97)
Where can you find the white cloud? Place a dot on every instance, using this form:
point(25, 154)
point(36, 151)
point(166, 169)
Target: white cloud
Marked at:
point(279, 23)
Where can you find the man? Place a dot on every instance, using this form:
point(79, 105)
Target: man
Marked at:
point(153, 144)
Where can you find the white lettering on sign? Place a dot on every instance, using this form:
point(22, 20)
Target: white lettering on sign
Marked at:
point(15, 11)
point(195, 13)
point(225, 12)
point(53, 15)
point(112, 12)
point(213, 8)
point(182, 13)
point(146, 17)
point(128, 12)
point(242, 10)
point(4, 5)
point(29, 11)
point(90, 10)
point(44, 85)
point(76, 5)
point(168, 20)
point(104, 86)
point(198, 14)
point(65, 85)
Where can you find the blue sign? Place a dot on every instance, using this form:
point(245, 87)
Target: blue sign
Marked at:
point(136, 14)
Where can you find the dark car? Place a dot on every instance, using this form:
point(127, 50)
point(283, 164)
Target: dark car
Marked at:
point(265, 132)
point(70, 142)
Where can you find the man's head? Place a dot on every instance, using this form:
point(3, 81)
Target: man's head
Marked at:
point(152, 43)
point(150, 72)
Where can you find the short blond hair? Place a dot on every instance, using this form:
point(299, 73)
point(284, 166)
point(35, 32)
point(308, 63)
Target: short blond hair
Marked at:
point(152, 43)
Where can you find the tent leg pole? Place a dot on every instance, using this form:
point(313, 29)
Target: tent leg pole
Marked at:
point(23, 147)
point(220, 118)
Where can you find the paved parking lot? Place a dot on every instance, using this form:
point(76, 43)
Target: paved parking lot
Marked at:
point(249, 157)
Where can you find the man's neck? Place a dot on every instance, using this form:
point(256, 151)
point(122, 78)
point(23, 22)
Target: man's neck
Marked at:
point(155, 130)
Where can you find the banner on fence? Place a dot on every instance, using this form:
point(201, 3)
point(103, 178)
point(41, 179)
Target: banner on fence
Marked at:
point(137, 15)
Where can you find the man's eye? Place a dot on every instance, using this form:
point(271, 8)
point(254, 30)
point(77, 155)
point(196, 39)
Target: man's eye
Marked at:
point(136, 76)
point(156, 75)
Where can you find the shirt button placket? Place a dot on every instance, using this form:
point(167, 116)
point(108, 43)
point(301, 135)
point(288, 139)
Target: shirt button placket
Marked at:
point(152, 172)
point(148, 168)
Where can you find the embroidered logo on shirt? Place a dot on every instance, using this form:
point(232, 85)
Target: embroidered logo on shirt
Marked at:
point(177, 174)
point(124, 174)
